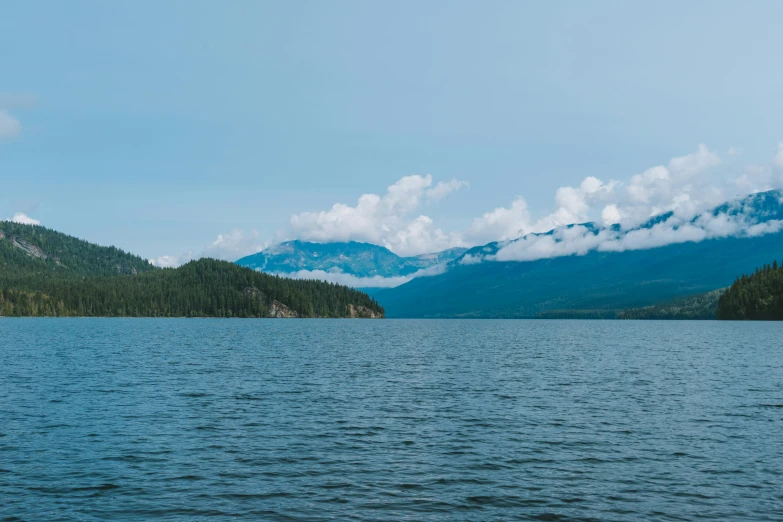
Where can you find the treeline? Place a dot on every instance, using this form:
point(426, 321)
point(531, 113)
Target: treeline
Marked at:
point(758, 296)
point(46, 273)
point(701, 306)
point(203, 288)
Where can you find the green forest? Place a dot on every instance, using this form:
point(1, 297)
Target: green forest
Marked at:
point(758, 296)
point(47, 273)
point(700, 306)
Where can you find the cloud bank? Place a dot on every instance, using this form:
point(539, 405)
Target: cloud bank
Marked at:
point(579, 239)
point(339, 277)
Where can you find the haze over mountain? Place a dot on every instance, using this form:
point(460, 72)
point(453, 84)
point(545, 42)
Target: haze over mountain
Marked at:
point(588, 267)
point(352, 263)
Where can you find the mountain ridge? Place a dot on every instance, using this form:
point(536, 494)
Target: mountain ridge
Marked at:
point(478, 285)
point(363, 260)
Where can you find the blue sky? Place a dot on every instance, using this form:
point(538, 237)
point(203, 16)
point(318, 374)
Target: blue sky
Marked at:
point(158, 126)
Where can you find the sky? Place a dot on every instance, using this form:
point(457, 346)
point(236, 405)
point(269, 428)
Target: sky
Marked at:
point(175, 129)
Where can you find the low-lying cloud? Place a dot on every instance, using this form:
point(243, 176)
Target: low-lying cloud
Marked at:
point(339, 277)
point(579, 240)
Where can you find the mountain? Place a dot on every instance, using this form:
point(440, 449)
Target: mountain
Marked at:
point(474, 286)
point(47, 273)
point(353, 258)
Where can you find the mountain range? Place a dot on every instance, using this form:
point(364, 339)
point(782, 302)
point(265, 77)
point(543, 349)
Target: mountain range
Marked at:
point(482, 283)
point(362, 260)
point(579, 270)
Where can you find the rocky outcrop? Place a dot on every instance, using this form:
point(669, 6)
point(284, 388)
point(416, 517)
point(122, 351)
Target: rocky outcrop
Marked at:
point(27, 248)
point(124, 270)
point(362, 312)
point(279, 310)
point(275, 308)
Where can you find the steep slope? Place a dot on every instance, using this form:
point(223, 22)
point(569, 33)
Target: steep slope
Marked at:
point(46, 273)
point(477, 287)
point(354, 258)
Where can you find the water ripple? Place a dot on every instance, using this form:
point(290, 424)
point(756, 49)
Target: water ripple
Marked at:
point(390, 420)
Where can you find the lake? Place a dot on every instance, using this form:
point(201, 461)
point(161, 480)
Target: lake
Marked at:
point(189, 419)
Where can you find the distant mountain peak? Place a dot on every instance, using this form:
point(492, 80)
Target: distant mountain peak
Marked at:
point(355, 258)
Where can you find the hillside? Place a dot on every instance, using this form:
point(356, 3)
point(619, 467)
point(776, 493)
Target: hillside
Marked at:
point(46, 273)
point(599, 282)
point(354, 258)
point(695, 307)
point(26, 248)
point(757, 297)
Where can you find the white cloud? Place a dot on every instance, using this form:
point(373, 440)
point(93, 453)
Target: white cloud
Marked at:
point(9, 126)
point(564, 241)
point(173, 261)
point(610, 215)
point(229, 247)
point(336, 276)
point(443, 188)
point(23, 219)
point(383, 220)
point(502, 223)
point(348, 279)
point(579, 240)
point(234, 245)
point(469, 259)
point(680, 186)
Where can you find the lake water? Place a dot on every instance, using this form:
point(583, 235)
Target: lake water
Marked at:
point(136, 419)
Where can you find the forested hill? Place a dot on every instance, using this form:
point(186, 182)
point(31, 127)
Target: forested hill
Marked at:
point(39, 249)
point(46, 273)
point(755, 297)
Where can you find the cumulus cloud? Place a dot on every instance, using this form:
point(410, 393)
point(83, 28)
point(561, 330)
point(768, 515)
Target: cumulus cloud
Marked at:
point(501, 223)
point(387, 220)
point(23, 219)
point(681, 186)
point(9, 126)
point(686, 188)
